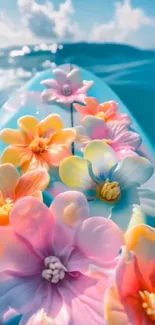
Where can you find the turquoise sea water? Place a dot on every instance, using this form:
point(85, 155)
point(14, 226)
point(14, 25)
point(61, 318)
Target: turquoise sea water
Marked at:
point(130, 72)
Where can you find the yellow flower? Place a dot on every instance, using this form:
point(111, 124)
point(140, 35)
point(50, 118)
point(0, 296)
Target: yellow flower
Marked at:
point(37, 144)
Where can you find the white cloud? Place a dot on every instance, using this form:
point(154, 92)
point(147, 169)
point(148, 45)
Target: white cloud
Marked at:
point(46, 22)
point(40, 22)
point(12, 34)
point(126, 20)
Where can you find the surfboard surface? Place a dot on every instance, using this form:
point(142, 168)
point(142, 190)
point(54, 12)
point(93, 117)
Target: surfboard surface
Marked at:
point(26, 101)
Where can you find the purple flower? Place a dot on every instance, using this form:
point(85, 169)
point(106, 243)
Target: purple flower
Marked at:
point(56, 263)
point(66, 88)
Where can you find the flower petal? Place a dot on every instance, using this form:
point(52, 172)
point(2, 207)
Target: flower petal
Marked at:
point(8, 180)
point(99, 238)
point(51, 83)
point(84, 110)
point(35, 162)
point(28, 125)
point(63, 137)
point(31, 182)
point(114, 311)
point(141, 240)
point(123, 153)
point(32, 220)
point(85, 299)
point(75, 79)
point(51, 123)
point(87, 85)
point(147, 201)
point(28, 287)
point(123, 210)
point(60, 76)
point(128, 139)
point(101, 156)
point(55, 155)
point(133, 170)
point(69, 209)
point(38, 195)
point(11, 136)
point(96, 128)
point(100, 207)
point(117, 128)
point(50, 95)
point(81, 134)
point(56, 188)
point(16, 256)
point(16, 155)
point(92, 104)
point(74, 173)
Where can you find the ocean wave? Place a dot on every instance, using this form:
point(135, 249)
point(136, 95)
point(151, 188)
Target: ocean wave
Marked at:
point(129, 71)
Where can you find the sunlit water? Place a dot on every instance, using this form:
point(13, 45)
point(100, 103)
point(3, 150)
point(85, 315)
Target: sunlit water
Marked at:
point(128, 71)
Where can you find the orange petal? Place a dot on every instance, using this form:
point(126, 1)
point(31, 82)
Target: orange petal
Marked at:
point(55, 155)
point(104, 107)
point(80, 108)
point(2, 199)
point(8, 180)
point(4, 219)
point(92, 104)
point(114, 311)
point(28, 126)
point(51, 123)
point(11, 136)
point(138, 233)
point(35, 163)
point(63, 137)
point(31, 182)
point(38, 195)
point(16, 155)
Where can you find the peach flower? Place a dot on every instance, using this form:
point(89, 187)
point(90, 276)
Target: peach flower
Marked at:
point(13, 187)
point(131, 299)
point(37, 144)
point(108, 111)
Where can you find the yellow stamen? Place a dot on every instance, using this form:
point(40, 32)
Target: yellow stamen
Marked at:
point(39, 145)
point(109, 191)
point(5, 210)
point(148, 303)
point(107, 141)
point(102, 115)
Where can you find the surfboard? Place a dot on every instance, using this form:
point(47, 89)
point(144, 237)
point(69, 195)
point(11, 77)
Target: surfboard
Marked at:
point(26, 101)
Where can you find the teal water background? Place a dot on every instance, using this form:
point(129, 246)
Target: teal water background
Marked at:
point(130, 72)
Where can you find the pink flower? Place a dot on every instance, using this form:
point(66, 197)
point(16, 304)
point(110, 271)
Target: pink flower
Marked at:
point(108, 111)
point(115, 134)
point(55, 262)
point(131, 300)
point(66, 88)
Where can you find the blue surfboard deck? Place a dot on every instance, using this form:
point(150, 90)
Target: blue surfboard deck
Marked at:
point(26, 101)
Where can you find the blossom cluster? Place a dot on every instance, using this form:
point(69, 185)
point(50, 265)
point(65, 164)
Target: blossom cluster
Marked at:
point(88, 256)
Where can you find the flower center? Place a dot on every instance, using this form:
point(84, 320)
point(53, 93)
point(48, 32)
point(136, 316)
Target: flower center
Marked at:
point(107, 141)
point(5, 210)
point(54, 269)
point(109, 191)
point(66, 89)
point(102, 115)
point(148, 303)
point(39, 145)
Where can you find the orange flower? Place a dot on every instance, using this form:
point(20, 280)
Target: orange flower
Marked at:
point(13, 187)
point(37, 144)
point(107, 111)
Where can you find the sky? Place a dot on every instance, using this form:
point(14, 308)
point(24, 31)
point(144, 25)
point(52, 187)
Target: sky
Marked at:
point(57, 21)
